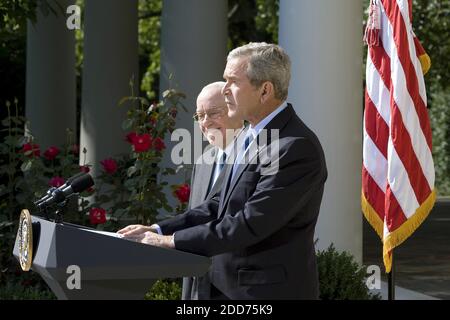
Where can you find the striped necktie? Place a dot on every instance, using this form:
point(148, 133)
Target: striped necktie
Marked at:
point(222, 161)
point(240, 159)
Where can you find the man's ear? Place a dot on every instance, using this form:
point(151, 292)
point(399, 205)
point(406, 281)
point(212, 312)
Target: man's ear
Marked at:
point(266, 91)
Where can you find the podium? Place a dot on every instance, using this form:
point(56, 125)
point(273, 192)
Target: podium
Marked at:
point(109, 267)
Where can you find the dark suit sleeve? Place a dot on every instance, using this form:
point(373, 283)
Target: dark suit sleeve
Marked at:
point(202, 214)
point(277, 199)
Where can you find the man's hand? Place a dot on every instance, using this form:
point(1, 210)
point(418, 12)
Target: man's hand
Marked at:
point(136, 230)
point(157, 240)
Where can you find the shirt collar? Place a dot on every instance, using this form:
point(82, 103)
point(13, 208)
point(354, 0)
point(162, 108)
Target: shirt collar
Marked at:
point(229, 147)
point(257, 129)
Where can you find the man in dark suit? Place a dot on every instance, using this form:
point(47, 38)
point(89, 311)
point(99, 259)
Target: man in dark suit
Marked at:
point(259, 227)
point(219, 129)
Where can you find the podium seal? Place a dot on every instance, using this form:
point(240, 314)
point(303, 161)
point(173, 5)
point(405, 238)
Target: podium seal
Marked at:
point(25, 235)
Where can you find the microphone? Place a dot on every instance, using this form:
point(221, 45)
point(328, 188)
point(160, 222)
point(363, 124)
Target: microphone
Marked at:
point(74, 185)
point(52, 189)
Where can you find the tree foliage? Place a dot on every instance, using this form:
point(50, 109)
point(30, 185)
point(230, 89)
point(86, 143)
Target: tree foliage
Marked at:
point(149, 46)
point(431, 21)
point(13, 26)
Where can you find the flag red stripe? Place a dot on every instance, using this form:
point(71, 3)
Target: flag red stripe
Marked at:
point(401, 42)
point(410, 10)
point(376, 127)
point(394, 213)
point(382, 63)
point(402, 144)
point(374, 195)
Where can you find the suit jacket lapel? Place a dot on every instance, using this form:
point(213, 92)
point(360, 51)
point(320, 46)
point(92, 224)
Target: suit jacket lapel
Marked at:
point(228, 169)
point(206, 174)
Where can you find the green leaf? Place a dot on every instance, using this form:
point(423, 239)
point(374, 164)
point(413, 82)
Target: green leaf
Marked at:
point(138, 164)
point(26, 166)
point(144, 101)
point(123, 100)
point(130, 184)
point(131, 170)
point(127, 124)
point(166, 93)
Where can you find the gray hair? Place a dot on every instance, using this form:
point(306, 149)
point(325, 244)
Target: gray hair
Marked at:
point(267, 62)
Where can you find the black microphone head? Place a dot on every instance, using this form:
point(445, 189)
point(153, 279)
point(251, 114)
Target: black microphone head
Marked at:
point(76, 176)
point(82, 183)
point(58, 196)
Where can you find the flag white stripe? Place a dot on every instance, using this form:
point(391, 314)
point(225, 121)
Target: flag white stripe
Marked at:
point(374, 162)
point(377, 91)
point(399, 182)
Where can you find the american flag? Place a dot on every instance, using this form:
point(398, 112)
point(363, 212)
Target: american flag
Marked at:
point(398, 171)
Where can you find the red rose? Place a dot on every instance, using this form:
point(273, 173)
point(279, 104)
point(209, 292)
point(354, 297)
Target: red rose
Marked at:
point(56, 182)
point(109, 165)
point(97, 215)
point(51, 153)
point(183, 192)
point(142, 142)
point(31, 150)
point(158, 143)
point(131, 137)
point(85, 169)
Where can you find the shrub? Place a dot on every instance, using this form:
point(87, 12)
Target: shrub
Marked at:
point(440, 124)
point(167, 289)
point(18, 292)
point(31, 287)
point(341, 278)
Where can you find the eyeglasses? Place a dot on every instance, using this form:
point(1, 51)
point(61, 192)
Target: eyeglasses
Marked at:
point(213, 114)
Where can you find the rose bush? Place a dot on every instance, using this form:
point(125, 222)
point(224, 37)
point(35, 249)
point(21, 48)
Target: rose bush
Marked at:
point(130, 186)
point(26, 173)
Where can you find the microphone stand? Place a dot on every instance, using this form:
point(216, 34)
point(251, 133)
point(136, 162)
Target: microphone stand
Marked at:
point(60, 211)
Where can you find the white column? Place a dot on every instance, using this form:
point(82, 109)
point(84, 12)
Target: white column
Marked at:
point(324, 41)
point(110, 60)
point(193, 53)
point(50, 78)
